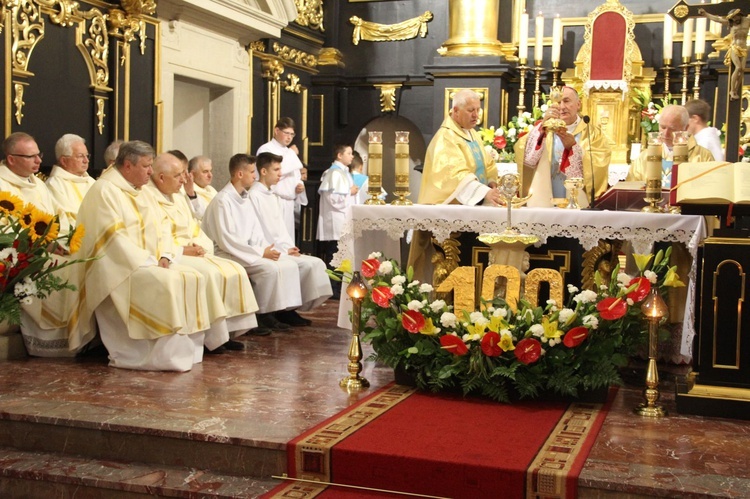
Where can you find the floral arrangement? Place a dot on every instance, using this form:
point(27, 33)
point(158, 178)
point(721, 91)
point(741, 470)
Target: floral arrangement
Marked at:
point(505, 352)
point(650, 111)
point(501, 141)
point(29, 239)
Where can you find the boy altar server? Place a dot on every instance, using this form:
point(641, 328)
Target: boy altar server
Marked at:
point(231, 222)
point(315, 283)
point(230, 298)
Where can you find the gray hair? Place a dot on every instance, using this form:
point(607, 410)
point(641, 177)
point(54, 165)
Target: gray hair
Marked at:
point(64, 145)
point(679, 111)
point(463, 96)
point(198, 161)
point(133, 151)
point(110, 153)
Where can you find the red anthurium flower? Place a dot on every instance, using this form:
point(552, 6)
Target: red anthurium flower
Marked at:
point(528, 350)
point(612, 308)
point(491, 344)
point(382, 296)
point(575, 336)
point(370, 267)
point(454, 344)
point(500, 142)
point(412, 320)
point(641, 292)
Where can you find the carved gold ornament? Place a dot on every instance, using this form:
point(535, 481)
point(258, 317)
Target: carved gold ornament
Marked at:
point(272, 70)
point(27, 29)
point(388, 97)
point(94, 46)
point(295, 56)
point(18, 101)
point(405, 30)
point(538, 276)
point(681, 11)
point(258, 46)
point(293, 84)
point(100, 115)
point(310, 13)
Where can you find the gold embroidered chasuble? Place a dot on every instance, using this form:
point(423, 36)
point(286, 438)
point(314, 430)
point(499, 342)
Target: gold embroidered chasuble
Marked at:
point(229, 293)
point(696, 154)
point(449, 163)
point(596, 150)
point(128, 233)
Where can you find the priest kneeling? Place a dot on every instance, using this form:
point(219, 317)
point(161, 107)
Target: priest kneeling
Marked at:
point(152, 313)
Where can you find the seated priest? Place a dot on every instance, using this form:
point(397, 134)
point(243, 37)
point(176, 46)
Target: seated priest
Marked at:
point(546, 158)
point(457, 169)
point(231, 302)
point(69, 180)
point(152, 312)
point(43, 322)
point(314, 282)
point(673, 118)
point(232, 223)
point(200, 172)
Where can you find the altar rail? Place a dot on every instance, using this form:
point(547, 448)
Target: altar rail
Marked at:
point(366, 225)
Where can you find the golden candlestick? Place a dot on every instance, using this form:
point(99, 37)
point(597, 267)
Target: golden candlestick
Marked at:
point(667, 68)
point(537, 82)
point(402, 170)
point(555, 73)
point(685, 73)
point(655, 310)
point(522, 68)
point(375, 167)
point(356, 291)
point(698, 68)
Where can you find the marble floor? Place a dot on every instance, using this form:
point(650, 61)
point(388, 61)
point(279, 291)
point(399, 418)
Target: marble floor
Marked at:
point(87, 430)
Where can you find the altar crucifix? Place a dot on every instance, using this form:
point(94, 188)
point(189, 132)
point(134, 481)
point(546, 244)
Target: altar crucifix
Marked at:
point(736, 16)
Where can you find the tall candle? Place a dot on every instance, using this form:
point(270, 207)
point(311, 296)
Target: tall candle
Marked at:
point(653, 162)
point(668, 41)
point(556, 38)
point(700, 35)
point(402, 159)
point(375, 159)
point(523, 39)
point(714, 26)
point(687, 38)
point(539, 40)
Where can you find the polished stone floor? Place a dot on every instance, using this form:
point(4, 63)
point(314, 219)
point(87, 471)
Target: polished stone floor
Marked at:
point(259, 399)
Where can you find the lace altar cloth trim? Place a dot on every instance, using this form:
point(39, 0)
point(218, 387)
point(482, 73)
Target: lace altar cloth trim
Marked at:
point(621, 85)
point(642, 230)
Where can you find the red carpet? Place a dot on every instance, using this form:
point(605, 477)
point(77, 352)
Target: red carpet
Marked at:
point(445, 446)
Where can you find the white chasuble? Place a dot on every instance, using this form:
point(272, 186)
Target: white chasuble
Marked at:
point(68, 190)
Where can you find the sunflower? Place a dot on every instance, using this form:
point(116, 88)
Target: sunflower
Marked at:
point(43, 225)
point(76, 237)
point(10, 204)
point(26, 215)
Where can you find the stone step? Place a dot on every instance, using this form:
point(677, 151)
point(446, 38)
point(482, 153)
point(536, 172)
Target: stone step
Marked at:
point(155, 447)
point(27, 474)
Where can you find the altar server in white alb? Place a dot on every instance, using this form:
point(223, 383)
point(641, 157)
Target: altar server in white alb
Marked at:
point(69, 180)
point(314, 281)
point(337, 192)
point(290, 187)
point(231, 302)
point(152, 312)
point(43, 322)
point(230, 221)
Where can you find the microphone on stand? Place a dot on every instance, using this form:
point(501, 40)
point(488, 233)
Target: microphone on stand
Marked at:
point(586, 119)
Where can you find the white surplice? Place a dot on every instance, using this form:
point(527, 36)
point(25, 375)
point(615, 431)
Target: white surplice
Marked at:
point(231, 223)
point(150, 317)
point(291, 177)
point(315, 285)
point(68, 190)
point(44, 323)
point(335, 197)
point(231, 302)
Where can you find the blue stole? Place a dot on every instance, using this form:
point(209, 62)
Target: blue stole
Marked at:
point(478, 153)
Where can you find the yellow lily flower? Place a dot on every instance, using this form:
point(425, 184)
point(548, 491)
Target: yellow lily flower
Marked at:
point(473, 329)
point(487, 134)
point(642, 261)
point(346, 266)
point(429, 328)
point(672, 279)
point(550, 329)
point(497, 323)
point(506, 343)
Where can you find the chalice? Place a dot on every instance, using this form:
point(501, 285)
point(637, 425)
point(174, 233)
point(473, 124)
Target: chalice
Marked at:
point(573, 186)
point(508, 187)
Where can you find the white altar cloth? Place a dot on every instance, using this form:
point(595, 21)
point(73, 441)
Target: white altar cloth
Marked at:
point(367, 226)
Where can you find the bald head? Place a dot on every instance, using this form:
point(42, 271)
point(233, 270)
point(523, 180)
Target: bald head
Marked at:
point(168, 174)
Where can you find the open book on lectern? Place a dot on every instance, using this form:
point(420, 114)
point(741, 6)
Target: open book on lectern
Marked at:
point(713, 182)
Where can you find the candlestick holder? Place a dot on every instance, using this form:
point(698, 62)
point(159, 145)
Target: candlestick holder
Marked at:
point(555, 73)
point(402, 169)
point(537, 81)
point(375, 167)
point(522, 68)
point(667, 68)
point(356, 291)
point(698, 64)
point(685, 66)
point(654, 309)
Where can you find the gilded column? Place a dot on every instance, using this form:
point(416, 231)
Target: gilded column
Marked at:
point(473, 28)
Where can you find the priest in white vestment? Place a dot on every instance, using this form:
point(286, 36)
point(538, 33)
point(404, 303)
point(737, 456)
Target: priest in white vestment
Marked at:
point(69, 180)
point(200, 173)
point(152, 312)
point(231, 302)
point(290, 187)
point(230, 221)
point(314, 281)
point(43, 323)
